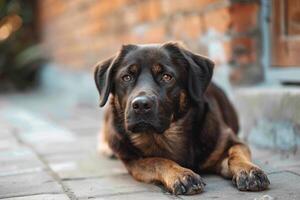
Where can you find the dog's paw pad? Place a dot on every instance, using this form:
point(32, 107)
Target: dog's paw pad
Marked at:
point(254, 180)
point(187, 183)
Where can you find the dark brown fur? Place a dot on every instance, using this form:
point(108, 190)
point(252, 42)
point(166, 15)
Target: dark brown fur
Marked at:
point(202, 137)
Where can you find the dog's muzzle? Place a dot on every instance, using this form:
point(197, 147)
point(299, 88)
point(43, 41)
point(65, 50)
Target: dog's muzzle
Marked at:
point(143, 110)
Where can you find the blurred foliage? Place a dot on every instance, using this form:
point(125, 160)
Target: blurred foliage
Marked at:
point(20, 54)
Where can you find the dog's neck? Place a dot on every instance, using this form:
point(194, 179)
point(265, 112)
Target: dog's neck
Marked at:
point(171, 144)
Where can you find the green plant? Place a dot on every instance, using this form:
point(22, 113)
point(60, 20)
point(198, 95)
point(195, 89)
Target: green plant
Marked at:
point(20, 54)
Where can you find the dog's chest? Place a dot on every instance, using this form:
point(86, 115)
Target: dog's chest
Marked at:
point(171, 144)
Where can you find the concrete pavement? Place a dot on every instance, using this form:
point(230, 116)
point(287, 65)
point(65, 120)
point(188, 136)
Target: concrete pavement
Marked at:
point(48, 151)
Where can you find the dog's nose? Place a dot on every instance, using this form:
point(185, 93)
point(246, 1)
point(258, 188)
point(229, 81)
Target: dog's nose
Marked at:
point(142, 104)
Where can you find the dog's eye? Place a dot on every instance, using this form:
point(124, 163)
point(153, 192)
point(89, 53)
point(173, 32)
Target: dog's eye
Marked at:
point(126, 78)
point(167, 77)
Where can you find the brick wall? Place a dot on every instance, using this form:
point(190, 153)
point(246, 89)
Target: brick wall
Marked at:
point(78, 33)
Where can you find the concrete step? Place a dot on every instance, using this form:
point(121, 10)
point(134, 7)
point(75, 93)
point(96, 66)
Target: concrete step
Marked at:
point(270, 117)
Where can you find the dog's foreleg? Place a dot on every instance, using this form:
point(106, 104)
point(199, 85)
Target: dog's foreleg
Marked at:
point(176, 179)
point(238, 166)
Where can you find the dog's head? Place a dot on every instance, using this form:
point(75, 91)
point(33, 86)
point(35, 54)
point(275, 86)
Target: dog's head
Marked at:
point(153, 85)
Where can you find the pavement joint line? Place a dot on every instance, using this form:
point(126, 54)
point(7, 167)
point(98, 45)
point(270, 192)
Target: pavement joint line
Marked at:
point(29, 195)
point(65, 153)
point(92, 177)
point(53, 174)
point(282, 171)
point(295, 173)
point(163, 192)
point(22, 172)
point(171, 196)
point(115, 194)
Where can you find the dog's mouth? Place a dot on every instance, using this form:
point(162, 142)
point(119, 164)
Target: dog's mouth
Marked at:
point(143, 127)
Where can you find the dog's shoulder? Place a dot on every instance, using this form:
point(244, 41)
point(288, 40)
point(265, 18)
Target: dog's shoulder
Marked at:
point(223, 106)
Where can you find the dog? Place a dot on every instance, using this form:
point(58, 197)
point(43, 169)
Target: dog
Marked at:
point(167, 122)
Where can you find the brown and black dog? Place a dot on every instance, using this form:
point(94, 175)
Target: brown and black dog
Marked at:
point(168, 123)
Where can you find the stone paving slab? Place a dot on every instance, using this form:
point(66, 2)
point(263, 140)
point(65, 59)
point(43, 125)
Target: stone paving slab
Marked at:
point(83, 165)
point(294, 169)
point(77, 145)
point(138, 195)
point(6, 131)
point(28, 184)
point(284, 185)
point(8, 143)
point(33, 129)
point(19, 161)
point(272, 160)
point(109, 185)
point(52, 155)
point(41, 197)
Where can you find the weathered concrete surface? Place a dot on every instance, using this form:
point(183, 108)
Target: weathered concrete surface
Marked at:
point(48, 151)
point(19, 161)
point(270, 117)
point(28, 184)
point(41, 197)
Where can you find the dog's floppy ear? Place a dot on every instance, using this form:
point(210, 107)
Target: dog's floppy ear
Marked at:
point(104, 71)
point(200, 69)
point(102, 76)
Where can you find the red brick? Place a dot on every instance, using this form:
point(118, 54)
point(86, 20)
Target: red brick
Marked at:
point(244, 51)
point(148, 10)
point(218, 20)
point(170, 7)
point(244, 17)
point(186, 27)
point(78, 33)
point(105, 7)
point(130, 16)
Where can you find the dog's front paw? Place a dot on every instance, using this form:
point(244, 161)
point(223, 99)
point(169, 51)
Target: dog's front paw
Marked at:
point(253, 180)
point(187, 183)
point(105, 150)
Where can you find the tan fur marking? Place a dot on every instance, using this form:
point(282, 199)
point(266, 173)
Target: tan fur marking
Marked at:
point(103, 147)
point(157, 169)
point(140, 169)
point(115, 101)
point(182, 100)
point(239, 158)
point(156, 68)
point(171, 143)
point(224, 169)
point(105, 132)
point(133, 68)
